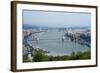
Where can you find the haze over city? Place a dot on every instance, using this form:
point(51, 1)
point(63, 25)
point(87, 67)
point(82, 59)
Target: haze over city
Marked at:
point(56, 19)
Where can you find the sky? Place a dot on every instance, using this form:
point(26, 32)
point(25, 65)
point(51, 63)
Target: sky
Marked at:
point(56, 19)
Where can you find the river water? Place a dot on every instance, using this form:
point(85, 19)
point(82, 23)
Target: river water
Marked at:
point(55, 42)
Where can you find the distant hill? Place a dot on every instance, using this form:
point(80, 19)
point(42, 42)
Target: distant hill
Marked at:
point(27, 26)
point(30, 26)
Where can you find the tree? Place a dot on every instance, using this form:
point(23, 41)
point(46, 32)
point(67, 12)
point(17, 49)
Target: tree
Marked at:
point(40, 55)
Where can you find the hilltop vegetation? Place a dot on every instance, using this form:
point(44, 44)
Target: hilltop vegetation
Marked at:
point(40, 55)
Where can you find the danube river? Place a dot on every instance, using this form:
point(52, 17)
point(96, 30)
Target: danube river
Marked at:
point(55, 42)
